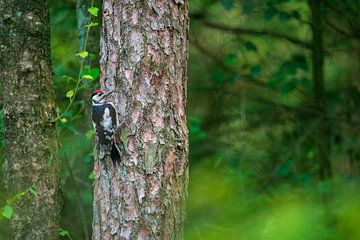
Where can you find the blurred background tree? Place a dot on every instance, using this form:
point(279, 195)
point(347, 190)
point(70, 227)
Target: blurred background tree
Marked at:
point(31, 136)
point(273, 113)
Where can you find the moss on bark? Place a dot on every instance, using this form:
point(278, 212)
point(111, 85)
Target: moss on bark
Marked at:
point(31, 148)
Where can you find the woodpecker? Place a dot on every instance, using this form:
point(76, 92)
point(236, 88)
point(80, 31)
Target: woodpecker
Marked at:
point(105, 122)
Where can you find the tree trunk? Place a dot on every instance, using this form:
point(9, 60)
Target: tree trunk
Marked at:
point(29, 105)
point(323, 135)
point(144, 59)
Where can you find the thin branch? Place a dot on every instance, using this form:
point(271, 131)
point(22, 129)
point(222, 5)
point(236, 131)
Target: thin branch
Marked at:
point(220, 62)
point(339, 30)
point(246, 31)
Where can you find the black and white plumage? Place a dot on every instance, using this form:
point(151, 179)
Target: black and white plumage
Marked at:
point(105, 122)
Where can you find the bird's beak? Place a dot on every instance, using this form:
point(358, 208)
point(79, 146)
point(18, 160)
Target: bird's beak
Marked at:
point(106, 94)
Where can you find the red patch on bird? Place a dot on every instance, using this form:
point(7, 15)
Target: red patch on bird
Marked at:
point(99, 91)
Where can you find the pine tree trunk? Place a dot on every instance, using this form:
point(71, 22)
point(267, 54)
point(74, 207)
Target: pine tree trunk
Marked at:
point(29, 104)
point(144, 59)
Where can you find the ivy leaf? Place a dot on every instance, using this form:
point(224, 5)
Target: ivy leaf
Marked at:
point(83, 54)
point(63, 232)
point(91, 176)
point(93, 11)
point(87, 76)
point(63, 120)
point(7, 211)
point(92, 24)
point(70, 93)
point(89, 134)
point(93, 72)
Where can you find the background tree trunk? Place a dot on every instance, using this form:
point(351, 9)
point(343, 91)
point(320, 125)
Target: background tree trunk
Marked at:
point(144, 58)
point(323, 134)
point(31, 141)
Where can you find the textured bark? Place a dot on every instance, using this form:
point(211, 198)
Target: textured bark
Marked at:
point(144, 58)
point(29, 104)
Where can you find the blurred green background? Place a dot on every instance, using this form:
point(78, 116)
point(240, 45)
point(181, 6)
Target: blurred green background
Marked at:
point(255, 125)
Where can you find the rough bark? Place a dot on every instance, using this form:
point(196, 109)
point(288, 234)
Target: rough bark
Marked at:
point(144, 59)
point(29, 104)
point(323, 135)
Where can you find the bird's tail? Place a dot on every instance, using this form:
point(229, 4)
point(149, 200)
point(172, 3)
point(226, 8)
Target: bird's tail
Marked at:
point(115, 154)
point(111, 151)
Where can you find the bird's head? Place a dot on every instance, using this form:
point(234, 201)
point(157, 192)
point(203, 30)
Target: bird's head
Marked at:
point(98, 96)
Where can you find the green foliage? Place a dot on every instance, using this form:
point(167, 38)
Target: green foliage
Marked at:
point(83, 54)
point(64, 233)
point(195, 130)
point(227, 4)
point(70, 93)
point(93, 11)
point(254, 174)
point(92, 24)
point(93, 72)
point(7, 211)
point(250, 46)
point(253, 123)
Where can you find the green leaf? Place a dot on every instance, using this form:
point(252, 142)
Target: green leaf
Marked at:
point(284, 16)
point(63, 232)
point(70, 93)
point(290, 67)
point(248, 7)
point(255, 70)
point(92, 24)
point(287, 87)
point(270, 13)
point(218, 76)
point(83, 54)
point(227, 4)
point(86, 76)
point(91, 176)
point(89, 134)
point(230, 59)
point(295, 14)
point(93, 11)
point(7, 211)
point(63, 120)
point(250, 46)
point(94, 72)
point(67, 78)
